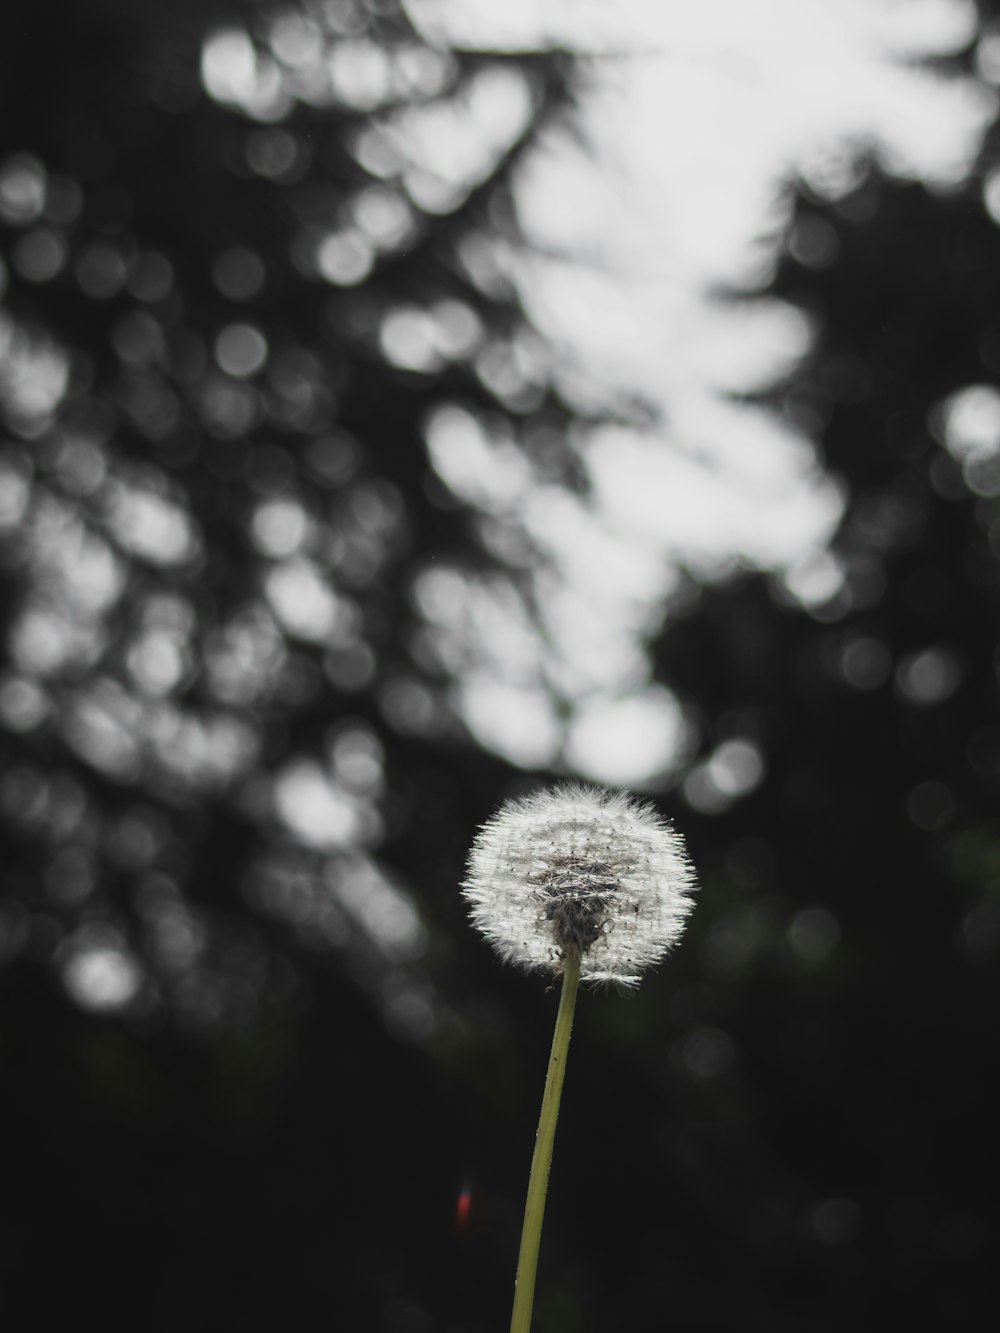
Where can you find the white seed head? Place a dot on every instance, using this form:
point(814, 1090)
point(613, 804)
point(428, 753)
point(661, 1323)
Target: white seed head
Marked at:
point(579, 869)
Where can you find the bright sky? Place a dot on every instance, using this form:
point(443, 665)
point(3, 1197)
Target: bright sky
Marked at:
point(691, 133)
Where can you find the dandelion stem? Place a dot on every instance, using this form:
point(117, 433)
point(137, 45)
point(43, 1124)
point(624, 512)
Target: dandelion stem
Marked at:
point(538, 1181)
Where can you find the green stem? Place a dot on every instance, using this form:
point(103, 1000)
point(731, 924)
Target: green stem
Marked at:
point(538, 1182)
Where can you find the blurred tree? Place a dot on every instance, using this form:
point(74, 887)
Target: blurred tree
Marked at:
point(844, 800)
point(254, 275)
point(269, 418)
point(254, 259)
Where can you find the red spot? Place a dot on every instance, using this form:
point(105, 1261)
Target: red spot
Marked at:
point(463, 1210)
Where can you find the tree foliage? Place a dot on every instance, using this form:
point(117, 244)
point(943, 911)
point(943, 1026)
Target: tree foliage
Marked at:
point(262, 372)
point(252, 251)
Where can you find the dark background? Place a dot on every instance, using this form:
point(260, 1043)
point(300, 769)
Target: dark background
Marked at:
point(233, 1093)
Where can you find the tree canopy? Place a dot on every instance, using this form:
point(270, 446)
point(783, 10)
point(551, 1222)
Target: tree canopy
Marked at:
point(261, 359)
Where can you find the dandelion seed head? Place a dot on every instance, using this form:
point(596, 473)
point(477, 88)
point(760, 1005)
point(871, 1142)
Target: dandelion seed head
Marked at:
point(582, 870)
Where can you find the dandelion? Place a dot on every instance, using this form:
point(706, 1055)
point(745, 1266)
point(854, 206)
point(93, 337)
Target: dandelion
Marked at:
point(586, 884)
point(580, 871)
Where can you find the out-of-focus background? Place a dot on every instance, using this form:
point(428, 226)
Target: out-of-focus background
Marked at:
point(406, 404)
